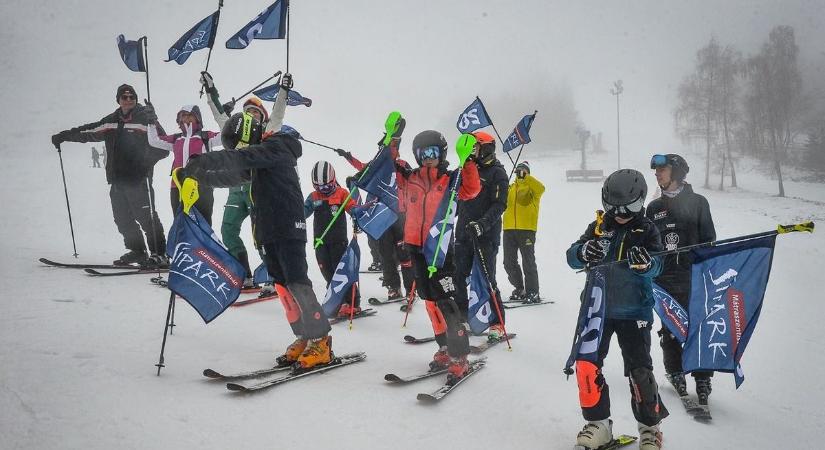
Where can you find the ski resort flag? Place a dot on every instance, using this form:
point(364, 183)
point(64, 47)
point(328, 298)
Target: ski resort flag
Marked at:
point(270, 93)
point(727, 288)
point(591, 320)
point(481, 311)
point(444, 217)
point(269, 24)
point(474, 117)
point(345, 276)
point(201, 270)
point(200, 36)
point(374, 217)
point(379, 180)
point(520, 134)
point(672, 314)
point(131, 52)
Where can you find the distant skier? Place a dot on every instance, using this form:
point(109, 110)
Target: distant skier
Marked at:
point(683, 218)
point(129, 168)
point(520, 224)
point(625, 233)
point(95, 158)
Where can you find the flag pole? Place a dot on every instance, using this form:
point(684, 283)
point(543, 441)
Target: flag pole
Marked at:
point(287, 36)
point(535, 111)
point(234, 100)
point(410, 299)
point(214, 32)
point(495, 129)
point(492, 286)
point(146, 63)
point(160, 364)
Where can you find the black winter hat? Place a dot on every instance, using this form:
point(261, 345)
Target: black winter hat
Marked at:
point(125, 89)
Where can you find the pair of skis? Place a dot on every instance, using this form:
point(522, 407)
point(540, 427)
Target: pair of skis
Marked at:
point(475, 349)
point(520, 304)
point(104, 270)
point(617, 442)
point(442, 391)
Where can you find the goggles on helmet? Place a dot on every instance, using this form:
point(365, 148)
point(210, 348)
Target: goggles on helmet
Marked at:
point(657, 161)
point(431, 152)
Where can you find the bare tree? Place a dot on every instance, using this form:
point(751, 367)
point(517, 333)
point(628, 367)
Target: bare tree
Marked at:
point(730, 66)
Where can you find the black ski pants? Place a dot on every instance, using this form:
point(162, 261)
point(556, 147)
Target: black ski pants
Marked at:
point(393, 254)
point(204, 204)
point(465, 251)
point(523, 241)
point(449, 324)
point(328, 256)
point(375, 249)
point(132, 208)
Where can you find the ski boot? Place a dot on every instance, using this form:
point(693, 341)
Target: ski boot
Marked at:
point(317, 353)
point(292, 353)
point(650, 438)
point(131, 257)
point(393, 294)
point(268, 290)
point(496, 333)
point(248, 283)
point(517, 295)
point(440, 360)
point(703, 389)
point(375, 267)
point(347, 309)
point(457, 369)
point(156, 262)
point(531, 297)
point(595, 435)
point(678, 381)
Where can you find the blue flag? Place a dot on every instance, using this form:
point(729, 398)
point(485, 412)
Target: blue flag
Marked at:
point(380, 181)
point(270, 93)
point(481, 311)
point(474, 117)
point(201, 270)
point(591, 319)
point(345, 276)
point(261, 275)
point(727, 288)
point(672, 314)
point(445, 214)
point(131, 52)
point(269, 24)
point(520, 134)
point(374, 217)
point(201, 36)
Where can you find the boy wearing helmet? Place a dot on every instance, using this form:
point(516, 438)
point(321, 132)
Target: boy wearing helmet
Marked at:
point(683, 218)
point(192, 140)
point(479, 220)
point(325, 201)
point(624, 233)
point(423, 190)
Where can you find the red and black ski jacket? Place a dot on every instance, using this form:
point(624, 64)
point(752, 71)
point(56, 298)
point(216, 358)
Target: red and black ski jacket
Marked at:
point(325, 207)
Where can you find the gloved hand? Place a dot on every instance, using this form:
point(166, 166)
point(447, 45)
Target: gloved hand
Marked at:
point(59, 138)
point(149, 113)
point(188, 188)
point(208, 83)
point(475, 227)
point(286, 81)
point(639, 259)
point(592, 251)
point(228, 107)
point(343, 153)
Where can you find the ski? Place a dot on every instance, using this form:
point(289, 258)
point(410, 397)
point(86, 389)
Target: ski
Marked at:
point(395, 379)
point(363, 313)
point(442, 392)
point(252, 300)
point(49, 262)
point(703, 415)
point(617, 442)
point(132, 271)
point(374, 301)
point(521, 305)
point(486, 345)
point(414, 340)
point(691, 407)
point(209, 373)
point(339, 361)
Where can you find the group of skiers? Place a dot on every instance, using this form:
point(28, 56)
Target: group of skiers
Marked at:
point(258, 163)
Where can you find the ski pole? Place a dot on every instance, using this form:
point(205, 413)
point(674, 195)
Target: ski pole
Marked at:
point(352, 305)
point(410, 298)
point(491, 285)
point(256, 87)
point(317, 143)
point(165, 330)
point(152, 215)
point(518, 157)
point(66, 193)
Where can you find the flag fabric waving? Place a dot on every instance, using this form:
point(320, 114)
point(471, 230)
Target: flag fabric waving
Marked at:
point(520, 134)
point(270, 93)
point(200, 36)
point(374, 217)
point(345, 276)
point(481, 311)
point(131, 52)
point(380, 181)
point(446, 213)
point(474, 117)
point(672, 314)
point(201, 269)
point(591, 320)
point(261, 275)
point(269, 24)
point(727, 288)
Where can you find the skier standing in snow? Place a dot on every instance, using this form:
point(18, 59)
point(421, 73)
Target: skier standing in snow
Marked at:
point(324, 202)
point(423, 190)
point(625, 233)
point(192, 140)
point(520, 224)
point(129, 168)
point(479, 223)
point(280, 228)
point(683, 218)
point(95, 158)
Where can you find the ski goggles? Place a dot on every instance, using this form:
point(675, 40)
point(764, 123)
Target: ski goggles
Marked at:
point(627, 210)
point(326, 189)
point(431, 152)
point(657, 161)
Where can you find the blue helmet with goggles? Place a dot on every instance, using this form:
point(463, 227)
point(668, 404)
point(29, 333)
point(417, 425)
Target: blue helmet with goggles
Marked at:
point(679, 167)
point(623, 193)
point(429, 144)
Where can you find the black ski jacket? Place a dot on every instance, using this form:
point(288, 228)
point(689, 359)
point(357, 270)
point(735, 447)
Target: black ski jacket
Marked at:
point(278, 205)
point(487, 207)
point(682, 220)
point(130, 158)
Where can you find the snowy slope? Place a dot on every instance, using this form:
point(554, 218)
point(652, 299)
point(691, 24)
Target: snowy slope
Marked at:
point(77, 355)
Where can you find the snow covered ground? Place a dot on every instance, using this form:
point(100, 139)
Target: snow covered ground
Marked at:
point(77, 355)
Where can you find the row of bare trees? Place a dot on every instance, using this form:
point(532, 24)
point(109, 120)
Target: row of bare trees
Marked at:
point(753, 105)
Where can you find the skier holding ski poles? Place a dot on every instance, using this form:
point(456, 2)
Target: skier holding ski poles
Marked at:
point(683, 218)
point(624, 233)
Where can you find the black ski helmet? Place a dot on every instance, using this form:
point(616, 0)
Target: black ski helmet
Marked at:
point(427, 139)
point(679, 167)
point(240, 130)
point(624, 192)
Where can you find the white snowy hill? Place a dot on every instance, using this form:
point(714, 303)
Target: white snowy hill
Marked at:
point(78, 353)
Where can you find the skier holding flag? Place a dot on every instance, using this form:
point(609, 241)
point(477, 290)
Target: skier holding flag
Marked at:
point(425, 189)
